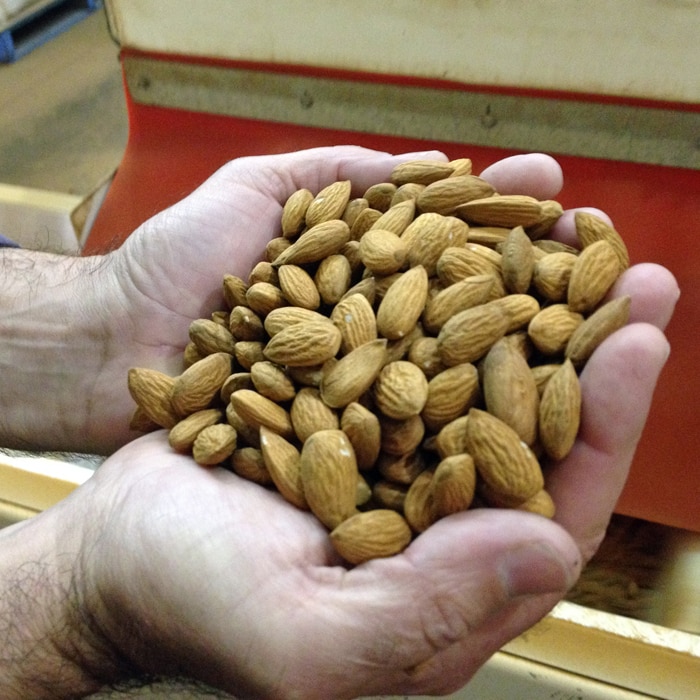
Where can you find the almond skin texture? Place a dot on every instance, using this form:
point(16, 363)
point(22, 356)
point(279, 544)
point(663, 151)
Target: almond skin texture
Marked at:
point(560, 412)
point(510, 391)
point(468, 335)
point(283, 463)
point(304, 344)
point(400, 390)
point(370, 535)
point(294, 212)
point(329, 203)
point(403, 304)
point(214, 444)
point(592, 276)
point(596, 328)
point(309, 414)
point(318, 242)
point(182, 436)
point(364, 432)
point(552, 327)
point(152, 392)
point(197, 386)
point(329, 476)
point(453, 485)
point(353, 374)
point(355, 319)
point(503, 460)
point(257, 411)
point(451, 393)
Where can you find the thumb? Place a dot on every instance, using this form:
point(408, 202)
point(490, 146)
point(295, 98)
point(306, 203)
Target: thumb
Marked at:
point(424, 622)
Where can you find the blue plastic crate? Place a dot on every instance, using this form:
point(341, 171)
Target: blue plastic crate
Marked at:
point(32, 29)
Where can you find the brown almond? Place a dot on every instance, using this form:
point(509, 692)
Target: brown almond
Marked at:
point(560, 412)
point(461, 295)
point(400, 390)
point(501, 210)
point(256, 410)
point(298, 287)
point(595, 271)
point(590, 228)
point(397, 217)
point(445, 195)
point(309, 414)
point(214, 444)
point(451, 393)
point(283, 463)
point(353, 374)
point(504, 462)
point(316, 243)
point(551, 328)
point(364, 432)
point(469, 334)
point(200, 383)
point(294, 212)
point(420, 171)
point(354, 317)
point(304, 344)
point(517, 261)
point(382, 251)
point(249, 463)
point(152, 391)
point(371, 535)
point(596, 328)
point(329, 476)
point(551, 275)
point(271, 381)
point(403, 304)
point(510, 391)
point(182, 435)
point(453, 485)
point(329, 203)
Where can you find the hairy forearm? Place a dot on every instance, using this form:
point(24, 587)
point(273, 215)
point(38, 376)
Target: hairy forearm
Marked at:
point(52, 344)
point(49, 646)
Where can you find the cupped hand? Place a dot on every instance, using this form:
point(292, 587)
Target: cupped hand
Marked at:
point(193, 570)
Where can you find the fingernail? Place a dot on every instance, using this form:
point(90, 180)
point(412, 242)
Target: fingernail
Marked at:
point(536, 568)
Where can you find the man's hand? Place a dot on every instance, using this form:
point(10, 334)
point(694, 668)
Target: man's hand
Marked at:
point(183, 569)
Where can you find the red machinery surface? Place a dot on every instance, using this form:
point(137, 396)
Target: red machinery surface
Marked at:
point(656, 209)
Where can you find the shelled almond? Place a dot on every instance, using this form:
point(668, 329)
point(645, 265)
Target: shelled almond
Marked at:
point(411, 353)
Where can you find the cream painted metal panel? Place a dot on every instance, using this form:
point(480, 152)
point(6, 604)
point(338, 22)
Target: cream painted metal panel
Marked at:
point(628, 48)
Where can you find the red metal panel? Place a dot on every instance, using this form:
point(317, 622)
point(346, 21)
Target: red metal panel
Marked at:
point(656, 209)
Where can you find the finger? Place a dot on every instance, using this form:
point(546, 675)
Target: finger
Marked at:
point(617, 385)
point(534, 174)
point(411, 611)
point(280, 175)
point(654, 292)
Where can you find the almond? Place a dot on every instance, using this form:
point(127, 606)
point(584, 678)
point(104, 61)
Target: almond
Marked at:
point(309, 414)
point(271, 381)
point(316, 243)
point(256, 410)
point(560, 411)
point(403, 303)
point(329, 476)
point(504, 462)
point(353, 374)
point(445, 195)
point(298, 287)
point(517, 261)
point(591, 228)
point(294, 212)
point(182, 435)
point(596, 328)
point(382, 252)
point(551, 275)
point(364, 432)
point(595, 271)
point(453, 485)
point(451, 393)
point(551, 328)
point(304, 344)
point(214, 444)
point(501, 210)
point(249, 463)
point(461, 295)
point(200, 383)
point(354, 317)
point(420, 171)
point(400, 390)
point(283, 463)
point(152, 391)
point(469, 334)
point(328, 204)
point(376, 533)
point(510, 391)
point(397, 217)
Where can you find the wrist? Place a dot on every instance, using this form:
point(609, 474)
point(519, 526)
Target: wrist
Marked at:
point(52, 646)
point(52, 346)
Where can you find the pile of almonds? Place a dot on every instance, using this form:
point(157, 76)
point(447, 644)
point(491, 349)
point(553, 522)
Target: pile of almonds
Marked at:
point(398, 357)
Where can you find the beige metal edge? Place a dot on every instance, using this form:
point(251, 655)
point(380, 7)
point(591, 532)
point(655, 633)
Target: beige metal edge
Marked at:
point(628, 653)
point(614, 132)
point(629, 48)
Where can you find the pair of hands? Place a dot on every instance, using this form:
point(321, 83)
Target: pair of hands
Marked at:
point(192, 570)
